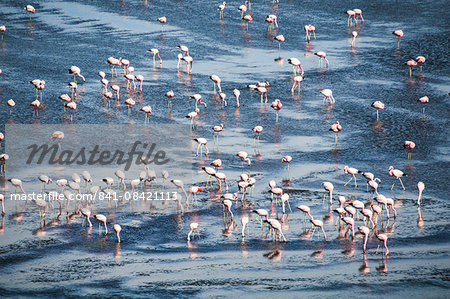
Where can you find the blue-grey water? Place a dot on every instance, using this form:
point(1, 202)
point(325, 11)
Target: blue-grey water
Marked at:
point(154, 259)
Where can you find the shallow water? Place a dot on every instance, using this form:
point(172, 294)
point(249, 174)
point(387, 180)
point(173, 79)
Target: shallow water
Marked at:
point(154, 259)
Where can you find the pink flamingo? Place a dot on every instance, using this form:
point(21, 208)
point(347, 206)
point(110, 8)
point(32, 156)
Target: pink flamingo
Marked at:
point(237, 93)
point(296, 64)
point(262, 90)
point(130, 78)
point(279, 38)
point(423, 100)
point(192, 227)
point(189, 61)
point(183, 49)
point(76, 72)
point(410, 63)
point(140, 78)
point(155, 53)
point(358, 12)
point(354, 34)
point(421, 60)
point(243, 9)
point(378, 105)
point(420, 187)
point(398, 174)
point(216, 79)
point(351, 14)
point(202, 142)
point(409, 145)
point(329, 187)
point(148, 111)
point(336, 128)
point(318, 223)
point(398, 34)
point(101, 218)
point(116, 88)
point(271, 19)
point(383, 238)
point(117, 228)
point(276, 105)
point(170, 94)
point(352, 171)
point(221, 8)
point(366, 232)
point(248, 19)
point(162, 20)
point(327, 95)
point(321, 55)
point(297, 80)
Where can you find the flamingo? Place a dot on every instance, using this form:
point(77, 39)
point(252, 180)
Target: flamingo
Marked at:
point(198, 99)
point(179, 184)
point(117, 228)
point(244, 222)
point(11, 104)
point(321, 55)
point(130, 78)
point(243, 9)
point(221, 8)
point(227, 204)
point(45, 180)
point(420, 187)
point(378, 105)
point(327, 95)
point(217, 130)
point(350, 223)
point(116, 88)
point(365, 231)
point(113, 62)
point(192, 115)
point(221, 176)
point(409, 145)
point(421, 60)
point(354, 34)
point(398, 174)
point(76, 72)
point(374, 184)
point(262, 90)
point(162, 20)
point(222, 96)
point(423, 100)
point(358, 12)
point(2, 199)
point(36, 104)
point(308, 29)
point(398, 34)
point(329, 187)
point(140, 78)
point(276, 225)
point(257, 130)
point(192, 227)
point(2, 29)
point(217, 81)
point(296, 64)
point(350, 14)
point(30, 9)
point(183, 49)
point(201, 142)
point(297, 80)
point(193, 191)
point(101, 218)
point(148, 111)
point(65, 98)
point(352, 171)
point(126, 64)
point(3, 159)
point(189, 61)
point(170, 94)
point(305, 209)
point(287, 160)
point(336, 128)
point(73, 86)
point(86, 213)
point(261, 213)
point(271, 19)
point(17, 183)
point(276, 105)
point(155, 53)
point(410, 63)
point(318, 223)
point(248, 19)
point(279, 38)
point(237, 93)
point(383, 238)
point(244, 157)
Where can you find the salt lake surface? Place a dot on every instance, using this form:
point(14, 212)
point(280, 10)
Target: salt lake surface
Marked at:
point(154, 258)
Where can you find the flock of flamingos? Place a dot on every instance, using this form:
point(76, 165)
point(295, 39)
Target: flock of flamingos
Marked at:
point(348, 211)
